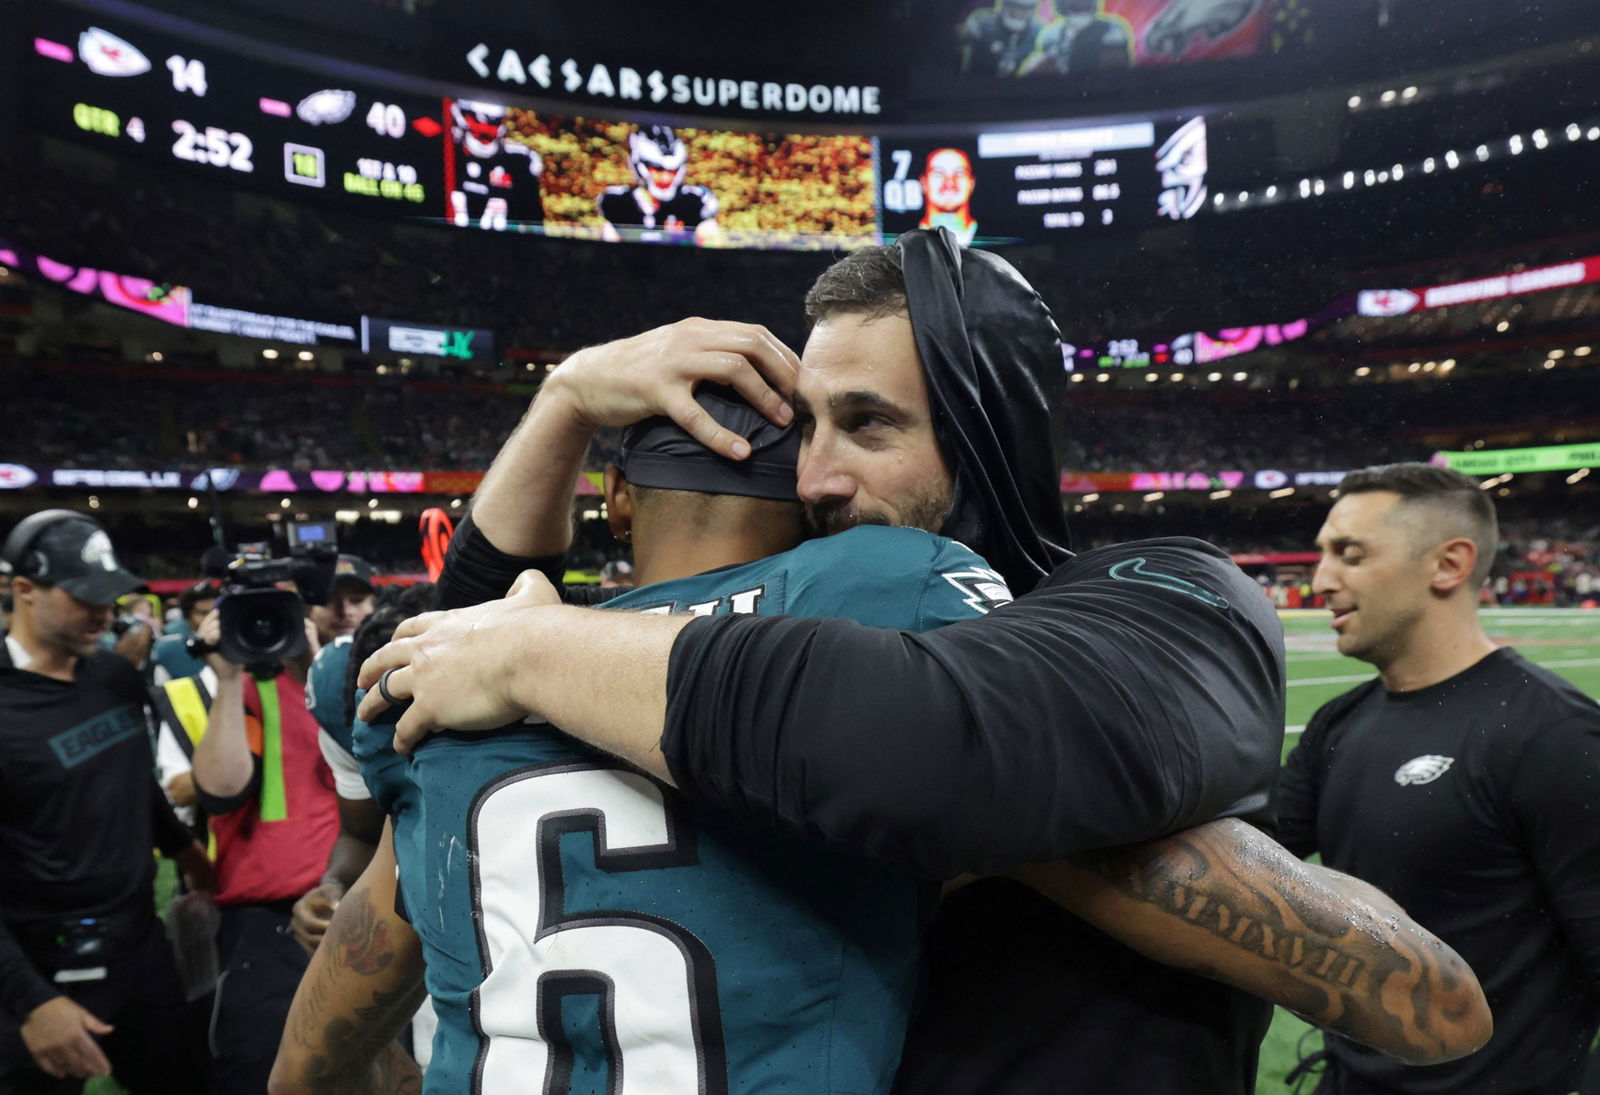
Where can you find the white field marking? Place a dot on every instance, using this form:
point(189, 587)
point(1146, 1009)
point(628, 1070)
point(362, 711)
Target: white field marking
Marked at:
point(1562, 663)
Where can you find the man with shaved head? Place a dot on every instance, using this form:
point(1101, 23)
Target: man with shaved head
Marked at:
point(1464, 780)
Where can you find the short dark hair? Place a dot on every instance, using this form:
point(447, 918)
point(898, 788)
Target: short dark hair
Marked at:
point(201, 591)
point(1455, 496)
point(869, 282)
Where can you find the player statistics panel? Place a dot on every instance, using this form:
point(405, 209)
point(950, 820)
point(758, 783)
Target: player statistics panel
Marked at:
point(1042, 184)
point(282, 129)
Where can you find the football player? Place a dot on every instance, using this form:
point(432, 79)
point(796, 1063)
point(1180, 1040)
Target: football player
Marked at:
point(661, 205)
point(675, 948)
point(947, 185)
point(494, 177)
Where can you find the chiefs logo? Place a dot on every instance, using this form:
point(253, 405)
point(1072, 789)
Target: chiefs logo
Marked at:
point(1423, 769)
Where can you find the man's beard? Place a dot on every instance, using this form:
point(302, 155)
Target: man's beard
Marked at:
point(926, 511)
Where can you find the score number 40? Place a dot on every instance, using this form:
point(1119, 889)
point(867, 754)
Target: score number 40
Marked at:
point(213, 145)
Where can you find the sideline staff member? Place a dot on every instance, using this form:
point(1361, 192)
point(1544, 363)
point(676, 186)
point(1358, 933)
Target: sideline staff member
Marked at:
point(87, 981)
point(1464, 781)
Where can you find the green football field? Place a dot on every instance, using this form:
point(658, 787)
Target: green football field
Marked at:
point(1565, 640)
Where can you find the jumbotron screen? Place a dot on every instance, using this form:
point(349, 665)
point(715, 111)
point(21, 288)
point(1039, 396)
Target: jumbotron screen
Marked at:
point(1039, 183)
point(314, 133)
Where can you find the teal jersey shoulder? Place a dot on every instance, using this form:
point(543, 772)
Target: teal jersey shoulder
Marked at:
point(171, 656)
point(388, 777)
point(325, 697)
point(584, 922)
point(883, 577)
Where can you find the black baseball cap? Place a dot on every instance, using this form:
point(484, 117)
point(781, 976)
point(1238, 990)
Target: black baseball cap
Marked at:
point(72, 551)
point(659, 453)
point(353, 568)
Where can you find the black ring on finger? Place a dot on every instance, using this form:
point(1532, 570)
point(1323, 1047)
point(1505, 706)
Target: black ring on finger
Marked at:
point(383, 689)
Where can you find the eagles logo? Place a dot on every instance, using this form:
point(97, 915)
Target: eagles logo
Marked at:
point(981, 589)
point(1423, 769)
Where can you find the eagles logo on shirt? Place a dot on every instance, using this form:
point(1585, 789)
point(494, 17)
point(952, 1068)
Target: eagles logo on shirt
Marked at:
point(1423, 769)
point(982, 589)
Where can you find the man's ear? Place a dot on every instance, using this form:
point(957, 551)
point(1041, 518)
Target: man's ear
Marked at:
point(1453, 564)
point(619, 503)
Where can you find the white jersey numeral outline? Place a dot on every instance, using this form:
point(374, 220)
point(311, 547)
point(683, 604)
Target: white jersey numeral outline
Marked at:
point(656, 981)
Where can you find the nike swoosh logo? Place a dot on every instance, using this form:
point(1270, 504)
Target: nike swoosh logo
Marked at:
point(1134, 570)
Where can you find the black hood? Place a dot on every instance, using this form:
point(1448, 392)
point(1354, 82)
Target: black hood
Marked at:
point(992, 356)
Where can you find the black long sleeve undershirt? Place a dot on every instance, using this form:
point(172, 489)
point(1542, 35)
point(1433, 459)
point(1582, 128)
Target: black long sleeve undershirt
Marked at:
point(1137, 692)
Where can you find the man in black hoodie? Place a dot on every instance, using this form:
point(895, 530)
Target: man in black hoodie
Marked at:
point(1135, 693)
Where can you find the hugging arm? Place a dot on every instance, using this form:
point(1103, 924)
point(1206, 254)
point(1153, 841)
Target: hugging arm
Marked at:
point(1225, 901)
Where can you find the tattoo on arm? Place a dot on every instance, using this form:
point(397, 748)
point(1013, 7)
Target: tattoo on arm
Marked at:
point(361, 937)
point(344, 1030)
point(1227, 902)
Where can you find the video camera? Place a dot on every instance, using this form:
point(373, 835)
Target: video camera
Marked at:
point(263, 625)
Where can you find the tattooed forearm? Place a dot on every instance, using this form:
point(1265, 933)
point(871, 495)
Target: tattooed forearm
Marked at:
point(361, 988)
point(1227, 902)
point(361, 937)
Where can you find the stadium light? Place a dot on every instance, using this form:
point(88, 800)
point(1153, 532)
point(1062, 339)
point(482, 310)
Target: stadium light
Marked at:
point(1319, 187)
point(1176, 378)
point(1219, 495)
point(1503, 326)
point(1355, 101)
point(1580, 351)
point(1482, 152)
point(1151, 378)
point(1550, 364)
point(1077, 378)
point(1217, 201)
point(1389, 96)
point(1349, 179)
point(270, 354)
point(1370, 178)
point(283, 503)
point(1213, 377)
point(1541, 139)
point(1504, 492)
point(1398, 171)
point(1305, 188)
point(1429, 366)
point(1365, 370)
point(1244, 196)
point(455, 503)
point(1155, 496)
point(1452, 160)
point(1558, 354)
point(1515, 144)
point(1414, 367)
point(1409, 93)
point(305, 355)
point(1281, 492)
point(1574, 131)
point(1090, 497)
point(1428, 165)
point(194, 503)
point(372, 503)
point(1594, 133)
point(1240, 376)
point(94, 502)
point(1449, 363)
point(4, 273)
point(1581, 473)
point(1103, 377)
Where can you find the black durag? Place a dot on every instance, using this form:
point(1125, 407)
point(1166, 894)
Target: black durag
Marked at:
point(992, 356)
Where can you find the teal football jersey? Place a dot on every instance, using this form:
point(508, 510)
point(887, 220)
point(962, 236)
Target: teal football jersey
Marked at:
point(588, 931)
point(325, 697)
point(170, 659)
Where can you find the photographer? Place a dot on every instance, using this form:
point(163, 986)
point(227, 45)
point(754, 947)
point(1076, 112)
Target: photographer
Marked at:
point(260, 775)
point(88, 985)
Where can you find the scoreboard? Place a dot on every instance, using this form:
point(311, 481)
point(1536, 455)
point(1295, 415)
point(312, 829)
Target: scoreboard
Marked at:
point(273, 127)
point(302, 127)
point(1041, 184)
